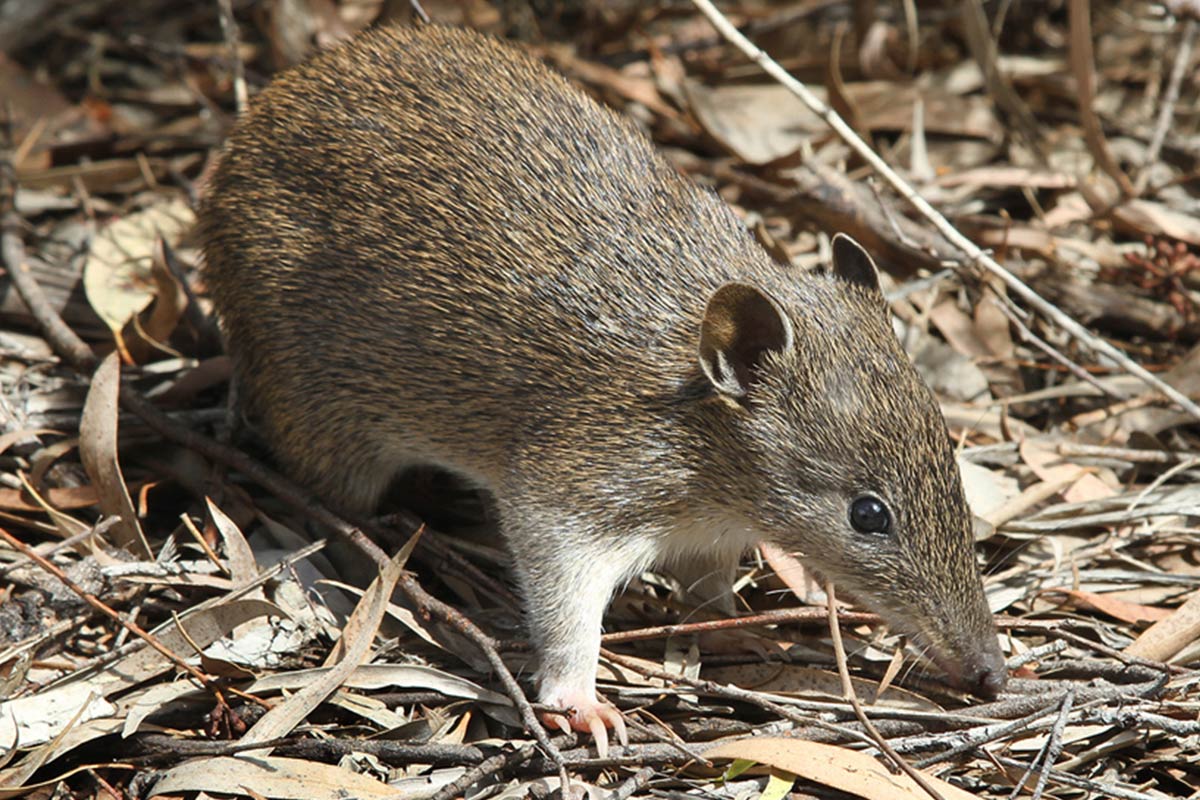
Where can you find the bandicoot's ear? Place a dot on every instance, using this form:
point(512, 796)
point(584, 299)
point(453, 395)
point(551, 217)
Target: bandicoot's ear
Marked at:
point(853, 264)
point(741, 323)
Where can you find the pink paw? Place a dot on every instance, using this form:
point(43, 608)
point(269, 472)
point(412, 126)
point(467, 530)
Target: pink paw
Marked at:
point(587, 714)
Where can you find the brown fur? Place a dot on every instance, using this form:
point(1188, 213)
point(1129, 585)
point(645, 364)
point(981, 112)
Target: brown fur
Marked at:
point(426, 247)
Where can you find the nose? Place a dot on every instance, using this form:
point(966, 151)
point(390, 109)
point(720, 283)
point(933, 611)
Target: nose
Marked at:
point(985, 673)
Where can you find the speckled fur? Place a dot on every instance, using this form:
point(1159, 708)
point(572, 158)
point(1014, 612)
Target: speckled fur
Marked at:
point(426, 247)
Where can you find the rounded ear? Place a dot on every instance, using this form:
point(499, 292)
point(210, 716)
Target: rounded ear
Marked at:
point(741, 323)
point(853, 264)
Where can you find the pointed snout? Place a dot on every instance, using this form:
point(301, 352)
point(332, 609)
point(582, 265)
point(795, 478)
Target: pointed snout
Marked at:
point(984, 673)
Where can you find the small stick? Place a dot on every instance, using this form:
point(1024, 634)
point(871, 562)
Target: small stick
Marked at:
point(56, 547)
point(636, 782)
point(291, 494)
point(1083, 66)
point(99, 605)
point(1037, 341)
point(1096, 788)
point(1088, 418)
point(419, 11)
point(229, 27)
point(989, 733)
point(973, 253)
point(800, 616)
point(1055, 745)
point(489, 766)
point(835, 633)
point(1126, 454)
point(1166, 112)
point(738, 694)
point(1056, 629)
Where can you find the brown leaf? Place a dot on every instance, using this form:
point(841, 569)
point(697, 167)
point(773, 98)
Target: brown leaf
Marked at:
point(764, 122)
point(1117, 609)
point(837, 767)
point(1148, 218)
point(119, 277)
point(271, 777)
point(98, 451)
point(147, 331)
point(352, 648)
point(66, 497)
point(1050, 467)
point(1167, 637)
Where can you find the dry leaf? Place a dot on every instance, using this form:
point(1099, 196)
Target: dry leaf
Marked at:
point(760, 123)
point(795, 680)
point(62, 498)
point(1164, 639)
point(1117, 609)
point(239, 557)
point(285, 778)
point(118, 276)
point(986, 490)
point(1050, 467)
point(147, 331)
point(357, 637)
point(837, 767)
point(788, 569)
point(1148, 218)
point(98, 452)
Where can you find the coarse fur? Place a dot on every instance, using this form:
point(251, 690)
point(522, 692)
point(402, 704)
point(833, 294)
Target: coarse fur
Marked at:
point(425, 247)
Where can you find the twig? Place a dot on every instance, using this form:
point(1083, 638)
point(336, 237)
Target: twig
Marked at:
point(267, 574)
point(1075, 449)
point(835, 633)
point(981, 42)
point(61, 338)
point(972, 251)
point(419, 11)
point(230, 30)
point(1055, 745)
point(56, 547)
point(1056, 629)
point(488, 647)
point(636, 782)
point(1049, 753)
point(1032, 338)
point(795, 616)
point(1166, 112)
point(489, 766)
point(1039, 653)
point(985, 733)
point(99, 605)
point(737, 694)
point(1105, 789)
point(291, 494)
point(1083, 66)
point(155, 747)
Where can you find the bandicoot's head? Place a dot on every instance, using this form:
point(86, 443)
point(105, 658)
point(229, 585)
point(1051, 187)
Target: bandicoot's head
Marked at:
point(845, 458)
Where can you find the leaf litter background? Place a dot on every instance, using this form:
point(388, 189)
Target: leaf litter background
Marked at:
point(1065, 137)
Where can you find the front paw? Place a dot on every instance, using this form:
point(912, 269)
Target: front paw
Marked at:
point(585, 713)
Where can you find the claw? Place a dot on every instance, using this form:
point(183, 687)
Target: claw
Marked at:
point(618, 724)
point(588, 714)
point(557, 721)
point(600, 734)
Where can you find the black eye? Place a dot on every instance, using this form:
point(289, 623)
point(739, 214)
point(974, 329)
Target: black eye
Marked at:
point(868, 514)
